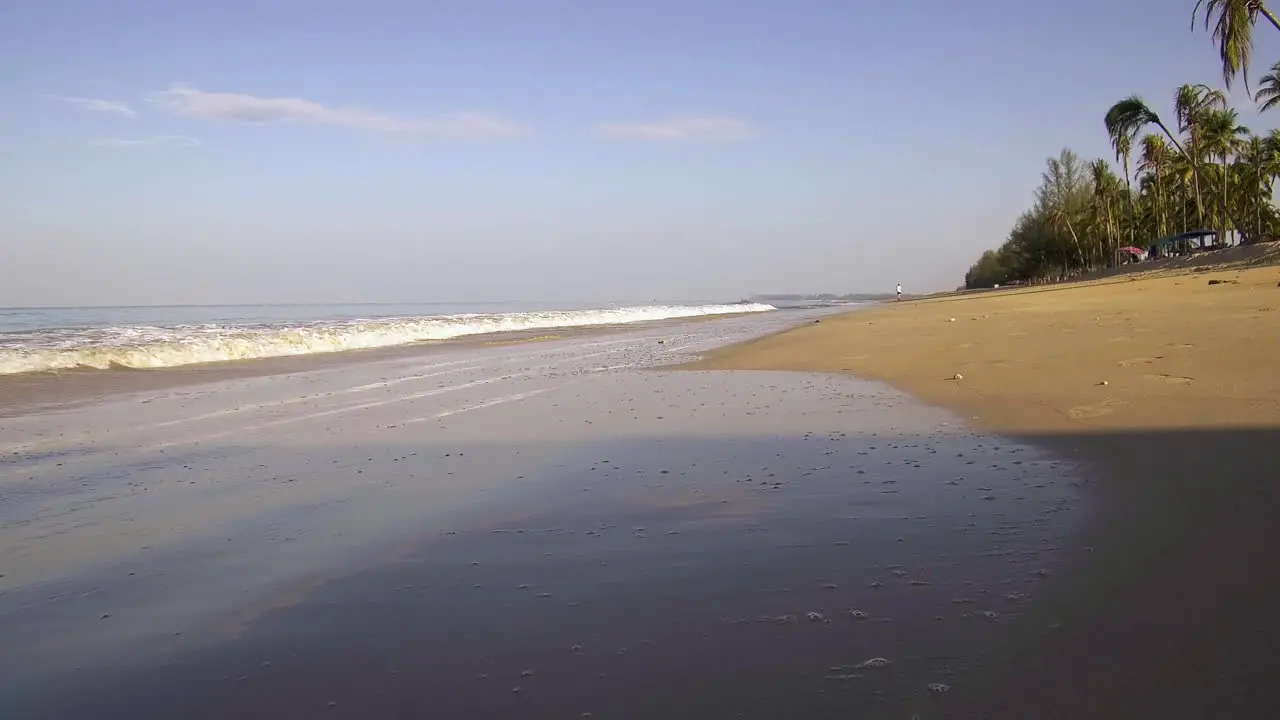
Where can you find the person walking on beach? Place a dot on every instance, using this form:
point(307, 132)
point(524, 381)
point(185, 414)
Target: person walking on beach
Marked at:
point(899, 291)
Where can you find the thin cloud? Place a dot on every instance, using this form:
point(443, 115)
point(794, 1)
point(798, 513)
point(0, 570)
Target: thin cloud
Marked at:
point(192, 102)
point(109, 107)
point(681, 128)
point(165, 140)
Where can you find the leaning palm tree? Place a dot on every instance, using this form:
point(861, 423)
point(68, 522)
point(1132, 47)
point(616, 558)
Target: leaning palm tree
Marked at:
point(1268, 95)
point(1232, 24)
point(1131, 115)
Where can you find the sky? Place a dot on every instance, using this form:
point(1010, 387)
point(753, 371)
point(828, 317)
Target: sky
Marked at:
point(159, 152)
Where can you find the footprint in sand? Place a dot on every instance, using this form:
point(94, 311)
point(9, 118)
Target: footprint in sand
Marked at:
point(1170, 379)
point(1138, 361)
point(1106, 407)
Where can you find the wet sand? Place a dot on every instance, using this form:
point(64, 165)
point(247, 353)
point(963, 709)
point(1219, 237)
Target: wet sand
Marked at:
point(551, 529)
point(1165, 389)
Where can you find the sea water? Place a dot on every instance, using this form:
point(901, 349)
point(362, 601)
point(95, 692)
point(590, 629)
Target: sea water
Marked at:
point(43, 339)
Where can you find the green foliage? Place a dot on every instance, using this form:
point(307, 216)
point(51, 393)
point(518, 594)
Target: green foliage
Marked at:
point(988, 272)
point(1083, 213)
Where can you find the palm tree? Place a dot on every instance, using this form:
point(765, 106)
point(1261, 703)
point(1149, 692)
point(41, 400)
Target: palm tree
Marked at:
point(1148, 215)
point(1190, 102)
point(1270, 170)
point(1183, 175)
point(1154, 159)
point(1104, 190)
point(1123, 145)
point(1269, 92)
point(1222, 134)
point(1232, 23)
point(1257, 168)
point(1253, 154)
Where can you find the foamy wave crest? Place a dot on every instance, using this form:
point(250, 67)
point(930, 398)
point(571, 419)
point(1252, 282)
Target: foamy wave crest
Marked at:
point(156, 347)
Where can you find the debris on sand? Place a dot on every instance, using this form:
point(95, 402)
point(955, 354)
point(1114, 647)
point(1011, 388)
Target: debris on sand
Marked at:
point(778, 619)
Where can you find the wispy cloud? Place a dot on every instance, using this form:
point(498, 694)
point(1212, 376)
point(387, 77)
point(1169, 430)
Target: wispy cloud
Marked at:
point(192, 102)
point(109, 107)
point(166, 140)
point(681, 128)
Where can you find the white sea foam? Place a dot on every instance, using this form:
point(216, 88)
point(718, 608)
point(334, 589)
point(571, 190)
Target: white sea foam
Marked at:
point(156, 347)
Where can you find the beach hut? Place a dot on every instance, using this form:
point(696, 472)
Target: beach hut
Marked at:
point(1185, 243)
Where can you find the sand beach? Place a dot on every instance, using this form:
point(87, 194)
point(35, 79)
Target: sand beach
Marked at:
point(1164, 386)
point(792, 514)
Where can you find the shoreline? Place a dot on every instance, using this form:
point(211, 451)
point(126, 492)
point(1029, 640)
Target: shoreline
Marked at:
point(1165, 388)
point(543, 533)
point(23, 393)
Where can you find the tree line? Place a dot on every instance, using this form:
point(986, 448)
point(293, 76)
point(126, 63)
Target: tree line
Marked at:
point(1196, 168)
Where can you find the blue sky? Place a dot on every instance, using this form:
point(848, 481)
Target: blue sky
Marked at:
point(399, 151)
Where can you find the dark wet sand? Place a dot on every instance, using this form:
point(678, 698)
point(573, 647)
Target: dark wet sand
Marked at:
point(1174, 610)
point(354, 542)
point(679, 595)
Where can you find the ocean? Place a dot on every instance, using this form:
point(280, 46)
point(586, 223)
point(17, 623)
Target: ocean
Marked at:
point(45, 339)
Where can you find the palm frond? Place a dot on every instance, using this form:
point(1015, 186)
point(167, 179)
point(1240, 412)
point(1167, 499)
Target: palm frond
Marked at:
point(1268, 95)
point(1127, 117)
point(1231, 22)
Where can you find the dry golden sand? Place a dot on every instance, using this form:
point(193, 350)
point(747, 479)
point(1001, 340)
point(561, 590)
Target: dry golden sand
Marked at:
point(1167, 390)
point(1173, 352)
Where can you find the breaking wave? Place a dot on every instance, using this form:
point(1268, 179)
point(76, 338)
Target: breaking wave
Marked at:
point(157, 347)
